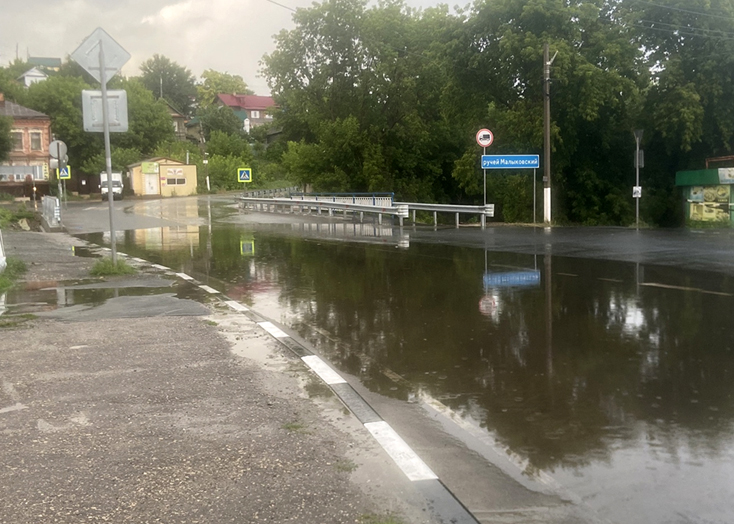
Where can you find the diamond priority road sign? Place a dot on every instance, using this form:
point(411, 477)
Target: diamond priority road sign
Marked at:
point(510, 161)
point(87, 55)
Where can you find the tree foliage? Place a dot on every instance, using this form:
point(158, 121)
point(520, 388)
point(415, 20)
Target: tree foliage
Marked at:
point(60, 97)
point(219, 118)
point(6, 140)
point(171, 81)
point(382, 97)
point(213, 83)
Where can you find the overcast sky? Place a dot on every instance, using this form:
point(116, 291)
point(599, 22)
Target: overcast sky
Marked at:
point(225, 35)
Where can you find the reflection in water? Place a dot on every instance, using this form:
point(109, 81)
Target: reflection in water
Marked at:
point(594, 375)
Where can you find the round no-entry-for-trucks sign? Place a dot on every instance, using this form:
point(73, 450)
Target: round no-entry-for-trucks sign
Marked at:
point(484, 137)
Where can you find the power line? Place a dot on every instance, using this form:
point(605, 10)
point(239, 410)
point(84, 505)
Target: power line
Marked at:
point(281, 5)
point(680, 9)
point(677, 28)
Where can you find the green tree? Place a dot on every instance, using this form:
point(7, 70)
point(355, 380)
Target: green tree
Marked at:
point(597, 80)
point(150, 122)
point(6, 140)
point(120, 158)
point(223, 170)
point(60, 97)
point(214, 83)
point(360, 92)
point(171, 81)
point(688, 115)
point(222, 144)
point(219, 118)
point(10, 87)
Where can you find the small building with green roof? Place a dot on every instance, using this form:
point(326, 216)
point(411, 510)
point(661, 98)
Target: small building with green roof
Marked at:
point(708, 195)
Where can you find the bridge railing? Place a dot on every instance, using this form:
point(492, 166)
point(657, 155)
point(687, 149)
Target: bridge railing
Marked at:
point(308, 202)
point(264, 204)
point(271, 192)
point(370, 199)
point(483, 211)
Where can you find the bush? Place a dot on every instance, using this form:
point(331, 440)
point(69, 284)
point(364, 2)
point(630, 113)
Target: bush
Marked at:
point(15, 268)
point(105, 267)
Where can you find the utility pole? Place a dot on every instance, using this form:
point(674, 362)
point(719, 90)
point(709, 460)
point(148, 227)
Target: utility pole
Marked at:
point(637, 191)
point(547, 61)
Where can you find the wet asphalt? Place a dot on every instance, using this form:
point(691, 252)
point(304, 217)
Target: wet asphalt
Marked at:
point(492, 495)
point(162, 408)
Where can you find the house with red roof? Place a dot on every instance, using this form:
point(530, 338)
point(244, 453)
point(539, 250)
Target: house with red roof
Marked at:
point(253, 110)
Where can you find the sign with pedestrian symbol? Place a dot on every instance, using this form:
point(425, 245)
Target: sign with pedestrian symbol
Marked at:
point(64, 173)
point(244, 174)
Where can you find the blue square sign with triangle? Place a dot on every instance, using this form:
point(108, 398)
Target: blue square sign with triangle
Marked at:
point(64, 173)
point(244, 174)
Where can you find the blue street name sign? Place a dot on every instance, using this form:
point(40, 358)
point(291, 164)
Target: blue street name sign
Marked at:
point(528, 278)
point(510, 161)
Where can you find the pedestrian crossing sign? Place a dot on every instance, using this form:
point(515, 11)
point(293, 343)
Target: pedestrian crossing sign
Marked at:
point(247, 247)
point(244, 174)
point(64, 173)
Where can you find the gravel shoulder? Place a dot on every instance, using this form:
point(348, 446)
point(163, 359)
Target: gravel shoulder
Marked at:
point(168, 418)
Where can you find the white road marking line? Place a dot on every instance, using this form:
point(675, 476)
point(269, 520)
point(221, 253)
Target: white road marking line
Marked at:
point(17, 407)
point(184, 276)
point(406, 459)
point(236, 305)
point(209, 289)
point(272, 329)
point(140, 260)
point(161, 267)
point(320, 367)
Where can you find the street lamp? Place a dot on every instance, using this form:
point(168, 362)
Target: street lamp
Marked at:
point(637, 191)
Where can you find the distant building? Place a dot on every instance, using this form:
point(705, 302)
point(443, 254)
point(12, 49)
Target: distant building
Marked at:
point(45, 63)
point(179, 121)
point(27, 165)
point(160, 176)
point(32, 76)
point(252, 110)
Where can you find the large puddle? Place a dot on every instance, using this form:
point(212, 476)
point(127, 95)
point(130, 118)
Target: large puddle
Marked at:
point(615, 379)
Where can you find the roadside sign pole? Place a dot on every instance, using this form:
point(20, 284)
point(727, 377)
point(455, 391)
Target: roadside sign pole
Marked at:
point(108, 157)
point(484, 152)
point(535, 193)
point(58, 156)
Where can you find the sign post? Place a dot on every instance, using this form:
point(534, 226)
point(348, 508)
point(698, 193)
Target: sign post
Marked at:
point(637, 190)
point(57, 149)
point(102, 58)
point(485, 139)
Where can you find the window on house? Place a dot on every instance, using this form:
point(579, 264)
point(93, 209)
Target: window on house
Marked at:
point(17, 140)
point(268, 116)
point(176, 181)
point(254, 114)
point(36, 141)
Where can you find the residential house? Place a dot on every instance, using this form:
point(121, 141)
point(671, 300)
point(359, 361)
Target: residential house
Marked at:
point(162, 176)
point(179, 121)
point(194, 131)
point(45, 63)
point(253, 110)
point(32, 76)
point(25, 172)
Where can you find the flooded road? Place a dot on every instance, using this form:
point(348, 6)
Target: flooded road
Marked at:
point(614, 379)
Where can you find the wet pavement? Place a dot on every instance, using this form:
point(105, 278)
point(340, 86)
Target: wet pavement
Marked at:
point(591, 366)
point(123, 399)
